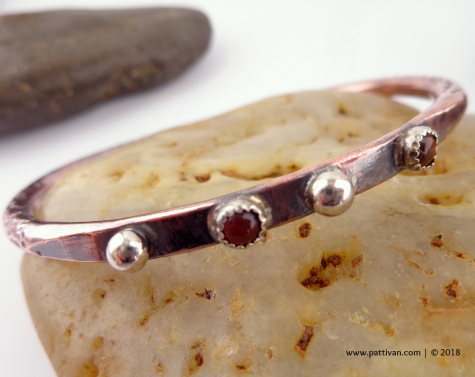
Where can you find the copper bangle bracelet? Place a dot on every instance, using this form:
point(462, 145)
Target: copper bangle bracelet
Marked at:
point(241, 219)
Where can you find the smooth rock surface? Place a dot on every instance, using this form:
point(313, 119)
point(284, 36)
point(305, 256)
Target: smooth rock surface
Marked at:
point(395, 272)
point(57, 63)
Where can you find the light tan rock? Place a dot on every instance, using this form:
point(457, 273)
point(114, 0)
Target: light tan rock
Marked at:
point(396, 272)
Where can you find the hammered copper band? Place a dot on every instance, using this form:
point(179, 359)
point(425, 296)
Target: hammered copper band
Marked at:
point(186, 228)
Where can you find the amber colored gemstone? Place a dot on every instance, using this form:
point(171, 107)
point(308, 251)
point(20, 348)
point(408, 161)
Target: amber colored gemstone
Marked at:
point(427, 150)
point(242, 228)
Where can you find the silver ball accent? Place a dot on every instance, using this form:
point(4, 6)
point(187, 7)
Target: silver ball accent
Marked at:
point(331, 193)
point(127, 251)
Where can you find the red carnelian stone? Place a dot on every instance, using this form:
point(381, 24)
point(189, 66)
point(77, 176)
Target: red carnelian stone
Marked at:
point(427, 150)
point(242, 228)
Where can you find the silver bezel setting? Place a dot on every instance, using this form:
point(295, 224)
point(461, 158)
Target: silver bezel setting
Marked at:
point(411, 147)
point(222, 212)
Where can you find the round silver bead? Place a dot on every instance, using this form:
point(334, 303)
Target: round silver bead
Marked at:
point(331, 193)
point(416, 154)
point(127, 251)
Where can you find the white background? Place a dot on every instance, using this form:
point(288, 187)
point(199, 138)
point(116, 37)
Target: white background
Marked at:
point(259, 49)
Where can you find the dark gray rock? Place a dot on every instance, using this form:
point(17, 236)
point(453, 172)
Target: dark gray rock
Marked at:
point(55, 64)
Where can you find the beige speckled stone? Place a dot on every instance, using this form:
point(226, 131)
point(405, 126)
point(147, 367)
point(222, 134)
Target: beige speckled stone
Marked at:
point(396, 272)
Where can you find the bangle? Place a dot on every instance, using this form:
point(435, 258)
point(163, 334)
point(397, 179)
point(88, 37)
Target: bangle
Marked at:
point(241, 219)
